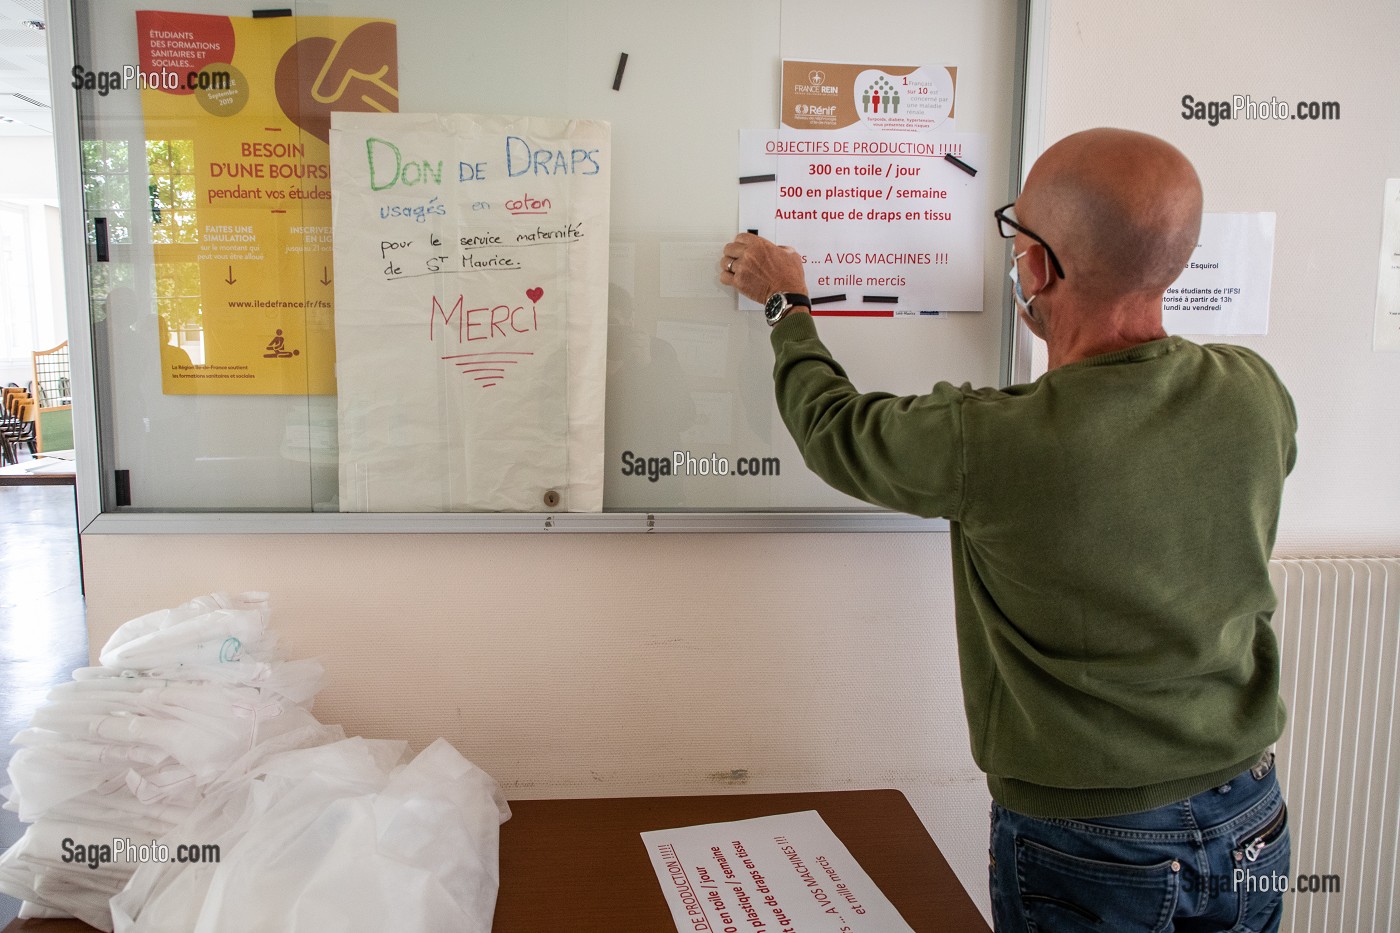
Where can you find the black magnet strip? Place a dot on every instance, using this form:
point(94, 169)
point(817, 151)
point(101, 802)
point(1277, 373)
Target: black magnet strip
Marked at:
point(960, 163)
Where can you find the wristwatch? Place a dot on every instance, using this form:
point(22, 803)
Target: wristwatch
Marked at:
point(780, 303)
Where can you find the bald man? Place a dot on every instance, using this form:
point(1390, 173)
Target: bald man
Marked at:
point(1111, 529)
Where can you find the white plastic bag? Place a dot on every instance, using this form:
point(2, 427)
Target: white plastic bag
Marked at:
point(193, 731)
point(184, 700)
point(331, 838)
point(209, 630)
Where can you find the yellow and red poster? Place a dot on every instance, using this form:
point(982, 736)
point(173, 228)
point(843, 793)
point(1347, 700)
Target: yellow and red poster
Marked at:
point(237, 114)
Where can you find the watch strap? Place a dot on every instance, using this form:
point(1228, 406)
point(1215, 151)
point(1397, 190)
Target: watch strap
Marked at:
point(789, 300)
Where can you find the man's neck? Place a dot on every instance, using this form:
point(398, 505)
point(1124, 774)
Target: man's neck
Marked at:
point(1080, 333)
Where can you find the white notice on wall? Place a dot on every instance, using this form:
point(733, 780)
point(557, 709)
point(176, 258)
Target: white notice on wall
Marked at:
point(1388, 284)
point(787, 872)
point(1225, 287)
point(886, 227)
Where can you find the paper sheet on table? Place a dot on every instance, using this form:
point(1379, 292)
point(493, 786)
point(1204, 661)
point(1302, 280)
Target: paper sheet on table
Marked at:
point(48, 465)
point(471, 288)
point(787, 872)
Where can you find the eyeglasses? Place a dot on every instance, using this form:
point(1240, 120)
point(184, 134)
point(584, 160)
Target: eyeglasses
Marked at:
point(1008, 228)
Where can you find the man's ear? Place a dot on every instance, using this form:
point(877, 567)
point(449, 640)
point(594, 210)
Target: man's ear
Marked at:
point(1039, 274)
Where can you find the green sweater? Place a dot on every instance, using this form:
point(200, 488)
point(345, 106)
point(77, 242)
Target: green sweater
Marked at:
point(1111, 530)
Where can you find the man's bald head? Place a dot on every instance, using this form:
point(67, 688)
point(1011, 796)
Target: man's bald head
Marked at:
point(1121, 210)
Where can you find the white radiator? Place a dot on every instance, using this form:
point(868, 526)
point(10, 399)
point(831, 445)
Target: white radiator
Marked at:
point(1338, 625)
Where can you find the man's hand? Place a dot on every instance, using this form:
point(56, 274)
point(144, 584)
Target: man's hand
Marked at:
point(759, 267)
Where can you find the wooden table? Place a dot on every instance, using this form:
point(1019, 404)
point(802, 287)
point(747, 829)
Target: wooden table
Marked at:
point(50, 472)
point(553, 852)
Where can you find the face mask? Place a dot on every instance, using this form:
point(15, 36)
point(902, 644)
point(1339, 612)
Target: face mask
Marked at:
point(1021, 300)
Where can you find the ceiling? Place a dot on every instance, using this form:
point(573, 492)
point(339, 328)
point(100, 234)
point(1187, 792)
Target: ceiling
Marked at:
point(25, 99)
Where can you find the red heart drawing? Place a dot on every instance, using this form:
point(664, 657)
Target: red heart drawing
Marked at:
point(534, 294)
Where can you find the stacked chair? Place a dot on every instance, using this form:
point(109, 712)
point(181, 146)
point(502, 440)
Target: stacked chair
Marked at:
point(17, 425)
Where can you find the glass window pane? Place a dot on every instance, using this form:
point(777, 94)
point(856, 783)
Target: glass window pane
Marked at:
point(182, 156)
point(236, 280)
point(115, 155)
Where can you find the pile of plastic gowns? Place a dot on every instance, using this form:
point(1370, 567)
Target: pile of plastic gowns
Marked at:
point(184, 785)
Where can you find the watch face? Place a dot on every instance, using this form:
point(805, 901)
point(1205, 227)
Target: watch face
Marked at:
point(773, 307)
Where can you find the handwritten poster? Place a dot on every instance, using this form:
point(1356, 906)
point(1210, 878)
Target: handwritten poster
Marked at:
point(887, 226)
point(237, 118)
point(881, 98)
point(775, 874)
point(471, 279)
point(1224, 288)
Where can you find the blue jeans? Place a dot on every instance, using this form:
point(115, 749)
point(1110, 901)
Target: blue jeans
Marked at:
point(1217, 861)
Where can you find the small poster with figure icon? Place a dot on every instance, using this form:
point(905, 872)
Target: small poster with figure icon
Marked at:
point(875, 98)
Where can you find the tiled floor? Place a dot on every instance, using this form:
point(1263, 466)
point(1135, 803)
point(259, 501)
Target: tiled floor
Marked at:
point(43, 632)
